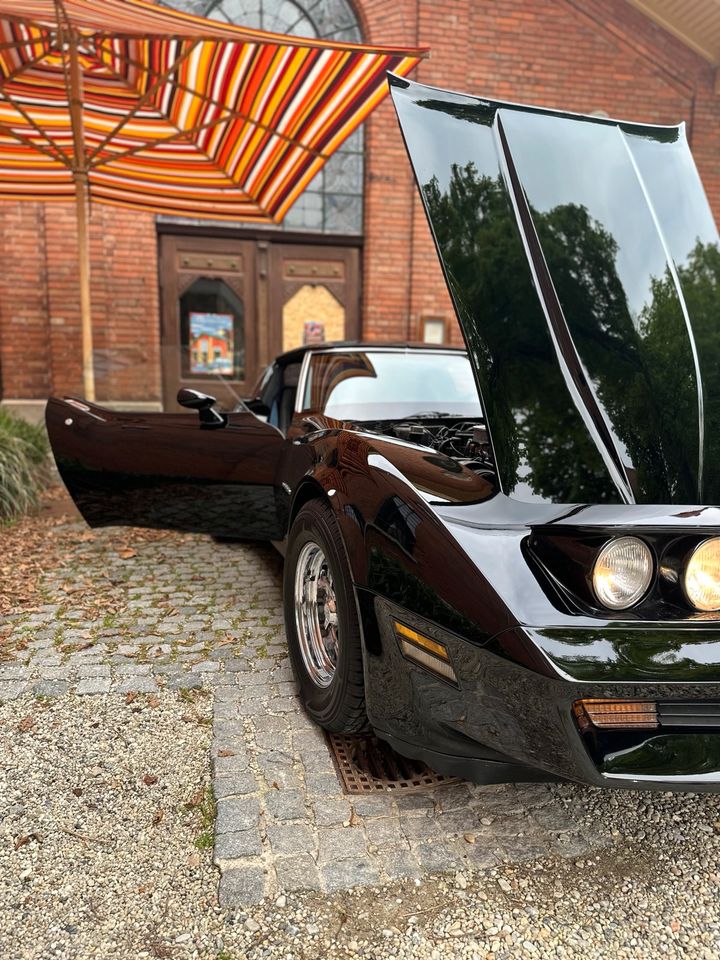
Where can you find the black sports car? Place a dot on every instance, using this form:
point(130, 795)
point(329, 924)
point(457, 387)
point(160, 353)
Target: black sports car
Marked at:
point(519, 587)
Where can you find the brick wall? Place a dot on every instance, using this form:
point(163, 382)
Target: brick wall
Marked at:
point(571, 54)
point(26, 362)
point(574, 54)
point(40, 343)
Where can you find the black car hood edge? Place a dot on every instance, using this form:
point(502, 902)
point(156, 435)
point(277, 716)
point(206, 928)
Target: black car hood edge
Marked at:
point(584, 265)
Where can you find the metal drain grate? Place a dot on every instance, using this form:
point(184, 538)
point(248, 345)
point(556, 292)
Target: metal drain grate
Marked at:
point(368, 765)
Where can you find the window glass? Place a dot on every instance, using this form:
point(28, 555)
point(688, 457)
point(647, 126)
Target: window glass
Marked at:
point(371, 385)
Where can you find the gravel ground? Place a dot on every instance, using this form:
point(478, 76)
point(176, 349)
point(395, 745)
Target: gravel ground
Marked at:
point(102, 824)
point(104, 832)
point(117, 650)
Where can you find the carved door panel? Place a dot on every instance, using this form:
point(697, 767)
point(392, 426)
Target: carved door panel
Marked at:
point(314, 294)
point(208, 332)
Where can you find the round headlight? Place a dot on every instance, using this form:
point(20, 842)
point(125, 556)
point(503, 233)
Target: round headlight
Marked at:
point(701, 580)
point(622, 573)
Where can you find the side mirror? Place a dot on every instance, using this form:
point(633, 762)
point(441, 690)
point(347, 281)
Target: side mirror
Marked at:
point(209, 419)
point(256, 406)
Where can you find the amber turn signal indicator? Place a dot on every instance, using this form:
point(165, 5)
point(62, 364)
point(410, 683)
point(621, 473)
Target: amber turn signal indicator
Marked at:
point(616, 714)
point(425, 652)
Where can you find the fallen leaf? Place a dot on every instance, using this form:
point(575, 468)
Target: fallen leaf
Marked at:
point(153, 701)
point(225, 753)
point(127, 554)
point(21, 840)
point(149, 780)
point(163, 951)
point(27, 723)
point(196, 799)
point(74, 647)
point(77, 791)
point(225, 642)
point(159, 816)
point(274, 785)
point(193, 860)
point(130, 696)
point(469, 837)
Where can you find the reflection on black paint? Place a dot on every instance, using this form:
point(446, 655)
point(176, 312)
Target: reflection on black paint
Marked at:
point(672, 755)
point(632, 250)
point(700, 281)
point(389, 578)
point(398, 521)
point(540, 442)
point(691, 237)
point(604, 251)
point(617, 656)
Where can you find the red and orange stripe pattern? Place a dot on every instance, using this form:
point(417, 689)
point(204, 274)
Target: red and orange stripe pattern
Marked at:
point(180, 115)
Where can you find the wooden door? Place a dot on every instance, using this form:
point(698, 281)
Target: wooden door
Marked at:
point(314, 294)
point(208, 331)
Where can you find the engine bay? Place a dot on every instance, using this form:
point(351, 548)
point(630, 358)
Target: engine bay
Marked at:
point(465, 441)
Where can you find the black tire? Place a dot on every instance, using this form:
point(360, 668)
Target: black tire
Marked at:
point(339, 706)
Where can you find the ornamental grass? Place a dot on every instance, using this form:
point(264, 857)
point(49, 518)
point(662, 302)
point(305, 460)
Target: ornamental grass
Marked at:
point(23, 465)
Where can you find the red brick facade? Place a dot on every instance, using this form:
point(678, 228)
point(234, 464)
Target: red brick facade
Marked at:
point(574, 54)
point(40, 345)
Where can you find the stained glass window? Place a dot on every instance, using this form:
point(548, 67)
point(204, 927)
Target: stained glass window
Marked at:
point(333, 201)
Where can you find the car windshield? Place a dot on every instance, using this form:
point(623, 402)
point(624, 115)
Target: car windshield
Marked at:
point(391, 385)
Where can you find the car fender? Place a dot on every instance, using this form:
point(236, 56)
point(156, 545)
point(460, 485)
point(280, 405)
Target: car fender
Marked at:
point(384, 495)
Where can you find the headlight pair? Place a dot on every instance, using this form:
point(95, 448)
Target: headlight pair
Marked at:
point(623, 571)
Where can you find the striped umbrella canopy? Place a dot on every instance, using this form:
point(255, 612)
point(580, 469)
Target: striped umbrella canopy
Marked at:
point(158, 110)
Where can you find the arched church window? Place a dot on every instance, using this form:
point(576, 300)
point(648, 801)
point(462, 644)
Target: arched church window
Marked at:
point(333, 201)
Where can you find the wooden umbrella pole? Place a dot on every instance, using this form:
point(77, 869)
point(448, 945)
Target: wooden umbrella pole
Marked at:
point(82, 199)
point(83, 233)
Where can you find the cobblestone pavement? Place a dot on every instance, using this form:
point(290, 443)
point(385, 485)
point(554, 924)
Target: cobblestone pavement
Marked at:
point(135, 613)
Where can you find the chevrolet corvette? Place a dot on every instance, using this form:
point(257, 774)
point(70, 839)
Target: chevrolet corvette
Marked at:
point(504, 559)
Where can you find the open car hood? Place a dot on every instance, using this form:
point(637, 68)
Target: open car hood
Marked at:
point(583, 261)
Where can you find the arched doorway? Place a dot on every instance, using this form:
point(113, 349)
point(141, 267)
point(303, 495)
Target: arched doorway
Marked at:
point(246, 294)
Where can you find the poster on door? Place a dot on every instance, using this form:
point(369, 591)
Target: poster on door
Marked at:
point(313, 332)
point(211, 343)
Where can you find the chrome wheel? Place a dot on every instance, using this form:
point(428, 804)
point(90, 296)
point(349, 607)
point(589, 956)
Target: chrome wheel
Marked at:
point(316, 614)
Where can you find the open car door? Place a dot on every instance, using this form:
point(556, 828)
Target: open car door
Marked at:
point(169, 470)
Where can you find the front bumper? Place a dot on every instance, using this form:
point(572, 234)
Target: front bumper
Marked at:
point(510, 717)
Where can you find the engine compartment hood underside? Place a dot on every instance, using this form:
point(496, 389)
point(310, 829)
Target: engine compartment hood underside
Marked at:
point(584, 265)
